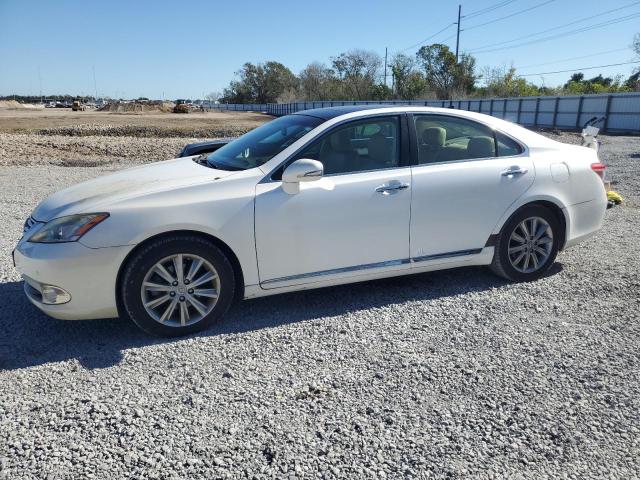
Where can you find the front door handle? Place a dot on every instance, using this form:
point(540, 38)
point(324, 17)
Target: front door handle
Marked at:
point(513, 171)
point(391, 187)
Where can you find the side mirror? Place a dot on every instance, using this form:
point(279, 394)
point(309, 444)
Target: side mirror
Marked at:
point(303, 170)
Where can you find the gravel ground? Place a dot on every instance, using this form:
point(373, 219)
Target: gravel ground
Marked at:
point(90, 151)
point(453, 374)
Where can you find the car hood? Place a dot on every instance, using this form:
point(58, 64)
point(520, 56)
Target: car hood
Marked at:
point(94, 195)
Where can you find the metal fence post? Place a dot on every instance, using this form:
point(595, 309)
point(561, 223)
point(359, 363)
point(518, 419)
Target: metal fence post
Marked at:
point(504, 108)
point(519, 110)
point(491, 107)
point(579, 114)
point(535, 117)
point(555, 112)
point(606, 113)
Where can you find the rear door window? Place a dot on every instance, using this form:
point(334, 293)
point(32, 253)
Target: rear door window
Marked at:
point(443, 138)
point(507, 147)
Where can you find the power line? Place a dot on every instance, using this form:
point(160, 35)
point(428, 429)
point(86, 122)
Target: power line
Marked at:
point(449, 38)
point(508, 16)
point(579, 69)
point(563, 34)
point(575, 58)
point(488, 9)
point(590, 17)
point(428, 38)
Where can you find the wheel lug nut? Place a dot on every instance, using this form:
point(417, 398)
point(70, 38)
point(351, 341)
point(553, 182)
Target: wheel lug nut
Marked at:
point(186, 281)
point(190, 291)
point(175, 283)
point(181, 298)
point(172, 294)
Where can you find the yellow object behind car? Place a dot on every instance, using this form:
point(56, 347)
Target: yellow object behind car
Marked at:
point(614, 197)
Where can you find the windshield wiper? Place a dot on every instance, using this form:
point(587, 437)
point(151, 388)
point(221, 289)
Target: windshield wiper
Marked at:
point(204, 160)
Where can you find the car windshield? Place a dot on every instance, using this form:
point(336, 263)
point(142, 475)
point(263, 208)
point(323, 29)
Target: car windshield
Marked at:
point(262, 144)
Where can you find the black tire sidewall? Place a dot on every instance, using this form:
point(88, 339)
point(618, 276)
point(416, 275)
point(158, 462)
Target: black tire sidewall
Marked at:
point(505, 234)
point(148, 256)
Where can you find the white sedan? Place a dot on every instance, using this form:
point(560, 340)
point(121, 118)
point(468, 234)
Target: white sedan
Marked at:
point(318, 198)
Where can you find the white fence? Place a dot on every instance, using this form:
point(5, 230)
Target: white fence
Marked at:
point(622, 110)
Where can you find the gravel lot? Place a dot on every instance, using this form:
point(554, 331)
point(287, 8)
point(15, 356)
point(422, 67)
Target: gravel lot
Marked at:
point(452, 374)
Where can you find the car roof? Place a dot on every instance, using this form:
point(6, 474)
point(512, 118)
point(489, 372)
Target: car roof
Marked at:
point(524, 135)
point(327, 113)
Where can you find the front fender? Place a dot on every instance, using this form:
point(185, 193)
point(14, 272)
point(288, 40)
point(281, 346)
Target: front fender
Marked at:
point(224, 211)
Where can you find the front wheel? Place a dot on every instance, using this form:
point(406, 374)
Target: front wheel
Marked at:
point(177, 285)
point(527, 245)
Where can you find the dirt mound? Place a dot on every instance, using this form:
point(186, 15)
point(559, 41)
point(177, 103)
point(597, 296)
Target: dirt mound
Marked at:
point(15, 105)
point(146, 131)
point(138, 107)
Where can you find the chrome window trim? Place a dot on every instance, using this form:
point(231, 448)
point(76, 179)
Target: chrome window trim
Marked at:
point(329, 175)
point(369, 266)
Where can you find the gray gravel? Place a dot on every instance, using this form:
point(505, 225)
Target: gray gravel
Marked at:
point(19, 149)
point(452, 374)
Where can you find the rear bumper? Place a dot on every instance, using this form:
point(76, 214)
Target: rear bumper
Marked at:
point(584, 220)
point(87, 274)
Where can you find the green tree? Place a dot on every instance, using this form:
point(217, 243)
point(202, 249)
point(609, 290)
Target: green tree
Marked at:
point(261, 83)
point(577, 85)
point(318, 82)
point(408, 82)
point(358, 71)
point(633, 82)
point(503, 82)
point(466, 74)
point(443, 74)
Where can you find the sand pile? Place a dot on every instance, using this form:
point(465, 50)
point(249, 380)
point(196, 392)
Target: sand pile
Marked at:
point(15, 105)
point(138, 107)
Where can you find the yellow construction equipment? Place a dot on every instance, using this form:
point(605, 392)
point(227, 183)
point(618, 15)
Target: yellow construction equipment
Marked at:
point(76, 106)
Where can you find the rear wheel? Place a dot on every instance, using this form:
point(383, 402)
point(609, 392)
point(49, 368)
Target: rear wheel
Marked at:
point(527, 245)
point(177, 285)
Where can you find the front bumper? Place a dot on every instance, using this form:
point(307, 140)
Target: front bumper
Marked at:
point(87, 274)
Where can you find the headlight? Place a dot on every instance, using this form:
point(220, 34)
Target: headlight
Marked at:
point(67, 229)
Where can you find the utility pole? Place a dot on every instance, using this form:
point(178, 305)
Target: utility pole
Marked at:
point(385, 66)
point(40, 83)
point(458, 34)
point(95, 88)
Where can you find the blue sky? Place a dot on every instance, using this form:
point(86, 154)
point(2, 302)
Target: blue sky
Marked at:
point(189, 48)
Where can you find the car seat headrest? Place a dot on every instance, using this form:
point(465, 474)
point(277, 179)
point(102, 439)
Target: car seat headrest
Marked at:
point(434, 137)
point(481, 147)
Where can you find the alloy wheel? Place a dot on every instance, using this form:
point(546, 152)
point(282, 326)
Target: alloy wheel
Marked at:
point(530, 245)
point(180, 290)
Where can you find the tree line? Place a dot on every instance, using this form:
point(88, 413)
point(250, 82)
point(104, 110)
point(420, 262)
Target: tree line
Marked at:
point(432, 73)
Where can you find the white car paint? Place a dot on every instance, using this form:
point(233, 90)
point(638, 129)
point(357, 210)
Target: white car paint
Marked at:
point(336, 230)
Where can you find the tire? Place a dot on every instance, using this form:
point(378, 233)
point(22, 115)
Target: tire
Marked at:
point(507, 265)
point(196, 306)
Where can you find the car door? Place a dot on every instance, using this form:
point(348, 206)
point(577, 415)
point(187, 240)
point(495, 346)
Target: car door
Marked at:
point(465, 177)
point(353, 220)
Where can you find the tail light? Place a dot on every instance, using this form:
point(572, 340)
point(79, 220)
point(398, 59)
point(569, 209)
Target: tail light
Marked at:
point(599, 169)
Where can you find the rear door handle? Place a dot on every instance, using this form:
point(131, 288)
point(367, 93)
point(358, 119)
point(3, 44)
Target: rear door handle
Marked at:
point(514, 170)
point(391, 187)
